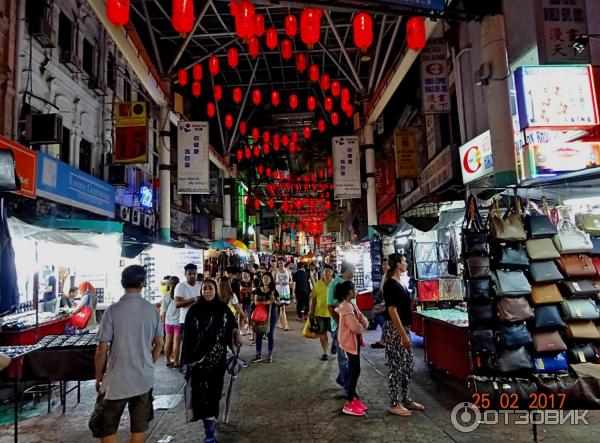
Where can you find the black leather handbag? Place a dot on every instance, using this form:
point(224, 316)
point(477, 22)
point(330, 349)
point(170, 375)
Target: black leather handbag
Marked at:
point(514, 335)
point(482, 343)
point(474, 243)
point(548, 317)
point(514, 360)
point(480, 316)
point(478, 267)
point(510, 283)
point(478, 291)
point(539, 226)
point(513, 255)
point(499, 389)
point(579, 289)
point(544, 272)
point(582, 353)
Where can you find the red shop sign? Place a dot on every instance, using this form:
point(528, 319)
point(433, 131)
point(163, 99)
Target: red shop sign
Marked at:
point(26, 162)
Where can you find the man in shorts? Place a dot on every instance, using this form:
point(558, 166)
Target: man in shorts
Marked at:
point(131, 336)
point(318, 311)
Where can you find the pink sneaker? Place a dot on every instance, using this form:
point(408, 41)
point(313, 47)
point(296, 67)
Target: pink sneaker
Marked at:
point(359, 404)
point(351, 409)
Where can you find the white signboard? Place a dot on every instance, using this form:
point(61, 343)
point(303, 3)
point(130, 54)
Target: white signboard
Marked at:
point(434, 77)
point(346, 168)
point(476, 157)
point(192, 158)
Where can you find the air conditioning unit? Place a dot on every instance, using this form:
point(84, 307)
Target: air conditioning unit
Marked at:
point(97, 86)
point(43, 129)
point(136, 216)
point(125, 213)
point(39, 18)
point(117, 175)
point(72, 61)
point(149, 221)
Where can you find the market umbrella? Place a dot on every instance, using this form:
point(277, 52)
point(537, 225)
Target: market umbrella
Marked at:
point(220, 244)
point(234, 367)
point(238, 244)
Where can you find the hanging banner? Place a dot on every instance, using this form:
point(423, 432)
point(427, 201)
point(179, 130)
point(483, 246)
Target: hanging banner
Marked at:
point(346, 168)
point(407, 161)
point(26, 165)
point(131, 133)
point(385, 188)
point(559, 24)
point(434, 77)
point(192, 158)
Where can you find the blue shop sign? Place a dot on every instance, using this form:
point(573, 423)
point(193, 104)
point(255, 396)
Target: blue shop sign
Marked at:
point(146, 196)
point(62, 183)
point(432, 5)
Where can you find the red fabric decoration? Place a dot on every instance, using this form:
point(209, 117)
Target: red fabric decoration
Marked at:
point(117, 12)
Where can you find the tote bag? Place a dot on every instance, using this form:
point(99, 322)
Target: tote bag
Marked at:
point(81, 318)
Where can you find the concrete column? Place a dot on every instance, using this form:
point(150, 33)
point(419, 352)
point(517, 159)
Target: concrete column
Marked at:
point(165, 174)
point(496, 92)
point(257, 231)
point(227, 210)
point(369, 144)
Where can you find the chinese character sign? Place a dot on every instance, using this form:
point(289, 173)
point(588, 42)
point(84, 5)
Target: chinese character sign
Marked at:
point(346, 168)
point(561, 22)
point(192, 158)
point(407, 163)
point(434, 78)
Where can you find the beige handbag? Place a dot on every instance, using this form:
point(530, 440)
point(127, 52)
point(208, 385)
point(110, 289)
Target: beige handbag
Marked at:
point(582, 330)
point(590, 223)
point(507, 228)
point(541, 249)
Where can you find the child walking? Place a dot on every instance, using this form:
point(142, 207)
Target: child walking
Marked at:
point(352, 326)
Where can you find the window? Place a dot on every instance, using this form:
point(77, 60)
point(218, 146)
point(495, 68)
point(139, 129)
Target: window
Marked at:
point(88, 57)
point(126, 87)
point(65, 33)
point(85, 156)
point(110, 72)
point(65, 146)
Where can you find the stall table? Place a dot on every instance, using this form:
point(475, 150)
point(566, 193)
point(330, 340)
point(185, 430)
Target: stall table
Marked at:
point(28, 336)
point(446, 339)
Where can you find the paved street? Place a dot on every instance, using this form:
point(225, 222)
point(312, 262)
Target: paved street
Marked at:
point(295, 399)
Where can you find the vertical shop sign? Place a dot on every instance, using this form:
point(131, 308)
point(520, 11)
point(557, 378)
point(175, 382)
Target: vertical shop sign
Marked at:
point(434, 77)
point(26, 165)
point(385, 187)
point(346, 168)
point(192, 158)
point(431, 135)
point(131, 133)
point(407, 163)
point(560, 23)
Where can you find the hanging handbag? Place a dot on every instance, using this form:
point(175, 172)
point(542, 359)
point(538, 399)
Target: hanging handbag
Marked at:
point(81, 318)
point(548, 341)
point(571, 240)
point(480, 315)
point(507, 228)
point(428, 270)
point(514, 335)
point(585, 330)
point(478, 290)
point(579, 310)
point(451, 289)
point(482, 342)
point(474, 235)
point(590, 223)
point(260, 314)
point(577, 266)
point(510, 283)
point(478, 267)
point(579, 288)
point(514, 360)
point(544, 272)
point(538, 224)
point(582, 353)
point(428, 290)
point(548, 317)
point(545, 293)
point(595, 246)
point(514, 309)
point(541, 249)
point(550, 363)
point(596, 262)
point(513, 255)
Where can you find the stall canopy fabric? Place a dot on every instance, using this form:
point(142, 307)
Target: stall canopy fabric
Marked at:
point(9, 294)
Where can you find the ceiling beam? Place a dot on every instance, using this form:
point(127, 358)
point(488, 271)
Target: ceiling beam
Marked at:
point(388, 52)
point(152, 37)
point(377, 51)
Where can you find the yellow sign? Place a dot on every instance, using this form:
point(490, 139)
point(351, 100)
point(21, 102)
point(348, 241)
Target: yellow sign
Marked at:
point(407, 162)
point(131, 133)
point(131, 114)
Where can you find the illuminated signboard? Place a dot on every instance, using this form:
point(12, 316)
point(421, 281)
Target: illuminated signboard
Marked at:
point(556, 97)
point(146, 195)
point(476, 157)
point(433, 5)
point(551, 159)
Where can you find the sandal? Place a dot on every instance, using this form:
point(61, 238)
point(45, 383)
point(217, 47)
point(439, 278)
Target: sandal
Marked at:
point(401, 411)
point(415, 406)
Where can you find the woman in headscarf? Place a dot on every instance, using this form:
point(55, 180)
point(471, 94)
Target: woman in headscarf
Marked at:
point(210, 327)
point(87, 292)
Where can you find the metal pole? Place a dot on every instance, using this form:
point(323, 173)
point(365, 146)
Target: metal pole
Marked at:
point(189, 36)
point(388, 52)
point(204, 57)
point(369, 141)
point(342, 70)
point(212, 82)
point(377, 51)
point(165, 174)
point(152, 38)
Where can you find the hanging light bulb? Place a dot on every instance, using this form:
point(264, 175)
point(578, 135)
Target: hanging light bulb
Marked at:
point(253, 47)
point(291, 26)
point(286, 49)
point(228, 121)
point(210, 109)
point(363, 31)
point(271, 39)
point(301, 62)
point(256, 96)
point(310, 26)
point(233, 57)
point(313, 73)
point(196, 89)
point(335, 88)
point(182, 77)
point(213, 65)
point(218, 92)
point(183, 15)
point(321, 125)
point(237, 95)
point(117, 12)
point(328, 104)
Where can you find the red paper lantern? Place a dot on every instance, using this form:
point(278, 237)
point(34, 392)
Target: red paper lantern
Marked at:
point(182, 77)
point(271, 203)
point(228, 121)
point(259, 24)
point(243, 127)
point(325, 82)
point(291, 26)
point(283, 226)
point(349, 110)
point(335, 88)
point(256, 203)
point(234, 7)
point(233, 57)
point(335, 118)
point(276, 142)
point(183, 16)
point(244, 20)
point(239, 155)
point(301, 62)
point(117, 12)
point(321, 174)
point(307, 131)
point(416, 35)
point(346, 95)
point(256, 96)
point(260, 169)
point(312, 103)
point(293, 101)
point(285, 140)
point(363, 31)
point(266, 148)
point(286, 49)
point(310, 26)
point(327, 205)
point(321, 126)
point(255, 134)
point(197, 72)
point(218, 92)
point(266, 136)
point(313, 73)
point(292, 147)
point(213, 65)
point(210, 109)
point(268, 172)
point(329, 170)
point(272, 39)
point(328, 104)
point(237, 95)
point(256, 151)
point(196, 89)
point(253, 47)
point(275, 98)
point(294, 137)
point(247, 153)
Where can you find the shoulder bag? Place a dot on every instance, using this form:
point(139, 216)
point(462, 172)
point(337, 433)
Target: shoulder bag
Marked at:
point(585, 330)
point(507, 228)
point(548, 317)
point(538, 224)
point(513, 255)
point(514, 360)
point(579, 288)
point(514, 309)
point(590, 223)
point(474, 235)
point(582, 353)
point(498, 389)
point(548, 341)
point(577, 266)
point(510, 283)
point(478, 290)
point(482, 342)
point(578, 310)
point(551, 363)
point(545, 293)
point(595, 245)
point(544, 272)
point(480, 315)
point(541, 249)
point(571, 240)
point(514, 335)
point(478, 267)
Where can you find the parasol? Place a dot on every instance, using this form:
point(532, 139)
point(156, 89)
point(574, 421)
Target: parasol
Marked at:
point(238, 244)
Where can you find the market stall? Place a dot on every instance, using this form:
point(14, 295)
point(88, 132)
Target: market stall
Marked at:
point(359, 255)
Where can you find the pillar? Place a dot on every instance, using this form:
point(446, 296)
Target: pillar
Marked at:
point(496, 92)
point(165, 175)
point(369, 144)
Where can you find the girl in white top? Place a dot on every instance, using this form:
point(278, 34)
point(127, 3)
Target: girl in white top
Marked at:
point(283, 281)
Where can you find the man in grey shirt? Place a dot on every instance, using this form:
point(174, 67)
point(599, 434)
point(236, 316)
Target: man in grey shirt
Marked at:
point(132, 336)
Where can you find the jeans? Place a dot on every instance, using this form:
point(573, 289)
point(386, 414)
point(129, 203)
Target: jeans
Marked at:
point(353, 372)
point(270, 335)
point(342, 358)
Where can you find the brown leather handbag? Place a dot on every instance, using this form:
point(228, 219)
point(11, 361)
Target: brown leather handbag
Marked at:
point(546, 294)
point(577, 265)
point(548, 342)
point(507, 228)
point(514, 309)
point(582, 330)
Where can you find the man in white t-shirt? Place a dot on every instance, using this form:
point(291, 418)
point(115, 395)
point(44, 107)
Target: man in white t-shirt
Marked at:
point(187, 292)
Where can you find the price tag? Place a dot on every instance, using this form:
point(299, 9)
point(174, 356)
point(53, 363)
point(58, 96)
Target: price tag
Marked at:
point(581, 356)
point(540, 363)
point(578, 312)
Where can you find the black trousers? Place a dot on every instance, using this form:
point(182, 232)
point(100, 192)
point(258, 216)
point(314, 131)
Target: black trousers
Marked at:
point(301, 303)
point(353, 371)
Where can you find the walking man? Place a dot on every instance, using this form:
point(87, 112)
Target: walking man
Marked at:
point(187, 293)
point(301, 281)
point(319, 310)
point(131, 336)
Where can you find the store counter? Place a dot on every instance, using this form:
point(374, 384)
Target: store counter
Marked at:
point(446, 339)
point(27, 336)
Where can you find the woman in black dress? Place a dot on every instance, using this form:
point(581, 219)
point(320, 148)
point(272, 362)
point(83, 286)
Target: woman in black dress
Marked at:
point(209, 328)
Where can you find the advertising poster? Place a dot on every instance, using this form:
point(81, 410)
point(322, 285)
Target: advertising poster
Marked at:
point(131, 133)
point(407, 162)
point(192, 158)
point(476, 158)
point(346, 168)
point(434, 77)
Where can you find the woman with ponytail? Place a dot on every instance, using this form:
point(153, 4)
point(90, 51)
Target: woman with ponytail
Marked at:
point(87, 292)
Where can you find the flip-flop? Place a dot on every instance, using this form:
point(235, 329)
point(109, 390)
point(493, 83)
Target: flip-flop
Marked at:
point(401, 413)
point(415, 406)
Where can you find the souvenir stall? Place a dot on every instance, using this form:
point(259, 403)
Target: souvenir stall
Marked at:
point(359, 254)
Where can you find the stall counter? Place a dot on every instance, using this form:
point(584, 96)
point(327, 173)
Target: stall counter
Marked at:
point(28, 336)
